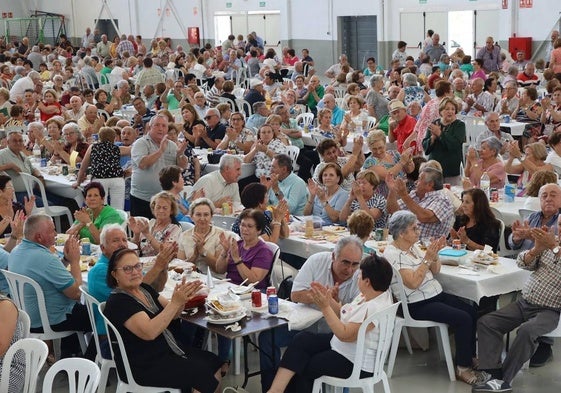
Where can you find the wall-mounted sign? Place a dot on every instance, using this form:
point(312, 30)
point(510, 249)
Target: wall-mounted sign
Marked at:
point(526, 3)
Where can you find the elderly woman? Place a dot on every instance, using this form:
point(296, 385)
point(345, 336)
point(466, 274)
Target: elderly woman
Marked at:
point(476, 226)
point(488, 161)
point(533, 161)
point(101, 101)
point(171, 181)
point(326, 198)
point(551, 115)
point(91, 219)
point(382, 162)
point(150, 235)
point(150, 327)
point(363, 197)
point(444, 138)
point(290, 99)
point(310, 355)
point(327, 130)
point(532, 191)
point(12, 213)
point(356, 117)
point(12, 330)
point(529, 111)
point(237, 137)
point(361, 224)
point(75, 147)
point(329, 152)
point(411, 91)
point(54, 136)
point(263, 150)
point(424, 295)
point(103, 160)
point(201, 244)
point(255, 196)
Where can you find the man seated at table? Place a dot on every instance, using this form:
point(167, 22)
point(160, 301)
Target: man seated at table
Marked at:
point(260, 114)
point(509, 103)
point(337, 270)
point(213, 133)
point(13, 161)
point(479, 101)
point(90, 122)
point(534, 314)
point(522, 238)
point(433, 208)
point(493, 124)
point(32, 258)
point(221, 186)
point(337, 114)
point(401, 124)
point(142, 115)
point(113, 237)
point(528, 76)
point(285, 184)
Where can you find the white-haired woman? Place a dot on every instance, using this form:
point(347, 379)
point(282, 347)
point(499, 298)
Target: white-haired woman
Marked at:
point(75, 147)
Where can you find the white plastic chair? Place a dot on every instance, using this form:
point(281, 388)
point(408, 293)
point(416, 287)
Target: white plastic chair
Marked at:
point(370, 123)
point(36, 352)
point(185, 226)
point(132, 385)
point(83, 375)
point(525, 213)
point(339, 92)
point(224, 222)
point(293, 151)
point(225, 100)
point(384, 320)
point(503, 251)
point(244, 106)
point(305, 118)
point(56, 212)
point(17, 283)
point(408, 321)
point(25, 322)
point(125, 217)
point(104, 364)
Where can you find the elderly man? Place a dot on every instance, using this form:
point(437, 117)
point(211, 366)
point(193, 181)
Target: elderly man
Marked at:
point(478, 101)
point(90, 122)
point(255, 92)
point(491, 56)
point(222, 186)
point(335, 69)
point(213, 133)
point(125, 46)
point(401, 125)
point(25, 83)
point(337, 270)
point(200, 104)
point(35, 57)
point(434, 50)
point(13, 161)
point(148, 76)
point(103, 46)
point(550, 46)
point(493, 124)
point(88, 38)
point(112, 238)
point(376, 103)
point(520, 61)
point(534, 314)
point(142, 115)
point(433, 208)
point(337, 114)
point(509, 103)
point(285, 184)
point(212, 96)
point(528, 77)
point(149, 96)
point(149, 155)
point(33, 258)
point(260, 114)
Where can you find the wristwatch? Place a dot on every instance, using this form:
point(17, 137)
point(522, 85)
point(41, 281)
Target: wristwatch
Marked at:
point(89, 224)
point(279, 195)
point(238, 262)
point(556, 250)
point(203, 254)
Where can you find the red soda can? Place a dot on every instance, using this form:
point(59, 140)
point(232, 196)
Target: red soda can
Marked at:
point(456, 244)
point(256, 298)
point(494, 195)
point(271, 291)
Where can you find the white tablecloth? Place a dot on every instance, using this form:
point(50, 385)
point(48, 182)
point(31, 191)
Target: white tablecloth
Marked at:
point(516, 127)
point(62, 186)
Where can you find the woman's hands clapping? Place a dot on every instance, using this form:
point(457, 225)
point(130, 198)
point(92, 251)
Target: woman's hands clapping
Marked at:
point(184, 291)
point(433, 248)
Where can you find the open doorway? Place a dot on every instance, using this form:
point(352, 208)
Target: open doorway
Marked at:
point(460, 32)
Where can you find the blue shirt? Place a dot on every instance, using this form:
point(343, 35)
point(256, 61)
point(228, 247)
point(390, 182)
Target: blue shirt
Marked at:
point(337, 201)
point(295, 192)
point(534, 220)
point(37, 262)
point(4, 265)
point(337, 115)
point(97, 287)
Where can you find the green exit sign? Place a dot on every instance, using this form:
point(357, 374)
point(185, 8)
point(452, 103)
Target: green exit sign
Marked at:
point(422, 1)
point(261, 4)
point(228, 5)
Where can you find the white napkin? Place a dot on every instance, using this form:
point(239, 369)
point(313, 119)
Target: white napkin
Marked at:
point(299, 316)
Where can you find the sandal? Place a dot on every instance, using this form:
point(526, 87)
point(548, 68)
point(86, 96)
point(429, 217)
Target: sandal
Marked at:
point(466, 375)
point(224, 368)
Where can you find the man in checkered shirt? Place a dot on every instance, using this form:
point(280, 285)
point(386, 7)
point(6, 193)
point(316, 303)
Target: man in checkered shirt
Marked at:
point(534, 314)
point(427, 201)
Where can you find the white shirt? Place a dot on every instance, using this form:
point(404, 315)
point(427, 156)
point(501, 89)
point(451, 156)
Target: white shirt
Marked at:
point(216, 188)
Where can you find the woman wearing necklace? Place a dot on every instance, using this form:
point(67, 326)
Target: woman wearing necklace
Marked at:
point(443, 141)
point(151, 329)
point(150, 235)
point(201, 244)
point(488, 162)
point(327, 198)
point(423, 292)
point(91, 219)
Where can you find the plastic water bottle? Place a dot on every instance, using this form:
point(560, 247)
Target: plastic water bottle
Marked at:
point(37, 152)
point(485, 184)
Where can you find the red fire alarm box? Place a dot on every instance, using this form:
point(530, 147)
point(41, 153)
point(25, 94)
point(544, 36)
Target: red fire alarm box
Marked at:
point(517, 44)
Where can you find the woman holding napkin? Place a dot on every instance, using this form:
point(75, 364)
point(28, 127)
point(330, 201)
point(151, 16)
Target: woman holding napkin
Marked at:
point(424, 294)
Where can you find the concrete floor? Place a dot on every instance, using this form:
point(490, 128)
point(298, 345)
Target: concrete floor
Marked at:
point(421, 372)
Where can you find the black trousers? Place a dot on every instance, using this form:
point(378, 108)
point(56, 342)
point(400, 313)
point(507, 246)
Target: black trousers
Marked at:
point(140, 207)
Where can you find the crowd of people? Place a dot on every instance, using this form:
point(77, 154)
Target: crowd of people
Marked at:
point(73, 105)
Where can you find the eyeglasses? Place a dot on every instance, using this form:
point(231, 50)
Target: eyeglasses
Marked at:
point(352, 265)
point(209, 117)
point(129, 268)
